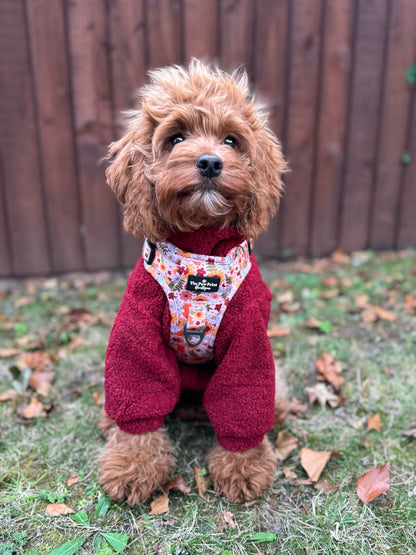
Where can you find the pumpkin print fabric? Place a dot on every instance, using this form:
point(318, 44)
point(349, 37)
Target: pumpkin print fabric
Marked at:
point(199, 289)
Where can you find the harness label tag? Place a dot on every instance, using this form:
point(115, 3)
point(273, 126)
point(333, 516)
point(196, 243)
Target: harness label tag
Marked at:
point(202, 283)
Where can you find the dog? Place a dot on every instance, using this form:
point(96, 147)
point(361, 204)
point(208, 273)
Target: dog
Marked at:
point(199, 175)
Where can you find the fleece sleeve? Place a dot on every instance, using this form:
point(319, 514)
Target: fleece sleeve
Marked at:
point(239, 398)
point(142, 382)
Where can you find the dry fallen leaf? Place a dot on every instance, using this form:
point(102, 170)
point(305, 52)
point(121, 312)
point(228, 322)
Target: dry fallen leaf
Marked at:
point(411, 432)
point(9, 395)
point(374, 423)
point(201, 481)
point(384, 314)
point(41, 381)
point(326, 487)
point(98, 398)
point(330, 281)
point(39, 360)
point(296, 407)
point(368, 316)
point(56, 509)
point(76, 343)
point(373, 483)
point(314, 462)
point(160, 505)
point(289, 474)
point(72, 480)
point(228, 517)
point(177, 484)
point(321, 393)
point(35, 409)
point(278, 332)
point(330, 368)
point(6, 353)
point(285, 443)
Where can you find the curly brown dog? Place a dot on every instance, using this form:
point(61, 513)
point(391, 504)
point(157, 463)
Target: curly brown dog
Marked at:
point(198, 174)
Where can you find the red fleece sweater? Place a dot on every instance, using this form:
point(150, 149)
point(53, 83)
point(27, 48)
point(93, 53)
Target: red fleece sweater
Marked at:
point(143, 379)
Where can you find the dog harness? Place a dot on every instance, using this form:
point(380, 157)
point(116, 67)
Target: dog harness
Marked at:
point(199, 289)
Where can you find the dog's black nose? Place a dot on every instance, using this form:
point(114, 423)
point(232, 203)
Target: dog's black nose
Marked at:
point(209, 165)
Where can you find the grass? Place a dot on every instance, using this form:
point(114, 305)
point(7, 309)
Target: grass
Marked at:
point(39, 455)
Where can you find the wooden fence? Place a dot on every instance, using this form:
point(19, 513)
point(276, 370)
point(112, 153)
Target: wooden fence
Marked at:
point(332, 70)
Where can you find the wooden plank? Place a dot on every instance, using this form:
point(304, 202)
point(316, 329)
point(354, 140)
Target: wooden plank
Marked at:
point(301, 125)
point(236, 22)
point(128, 72)
point(406, 229)
point(336, 65)
point(19, 147)
point(394, 123)
point(5, 258)
point(51, 78)
point(363, 132)
point(270, 71)
point(93, 127)
point(201, 32)
point(164, 32)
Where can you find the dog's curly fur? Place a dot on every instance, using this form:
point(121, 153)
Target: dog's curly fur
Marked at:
point(161, 190)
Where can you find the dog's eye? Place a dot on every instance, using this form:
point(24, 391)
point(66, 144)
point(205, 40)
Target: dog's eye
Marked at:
point(176, 139)
point(230, 141)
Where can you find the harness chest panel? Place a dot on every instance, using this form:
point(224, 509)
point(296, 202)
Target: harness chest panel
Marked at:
point(199, 289)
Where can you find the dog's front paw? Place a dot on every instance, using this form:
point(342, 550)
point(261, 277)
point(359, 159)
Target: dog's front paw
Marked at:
point(242, 476)
point(132, 467)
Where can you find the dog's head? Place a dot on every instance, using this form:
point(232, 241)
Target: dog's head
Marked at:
point(197, 152)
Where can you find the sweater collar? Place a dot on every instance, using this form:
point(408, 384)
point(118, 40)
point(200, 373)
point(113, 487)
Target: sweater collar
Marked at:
point(207, 240)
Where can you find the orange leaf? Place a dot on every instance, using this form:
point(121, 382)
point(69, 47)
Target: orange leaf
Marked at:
point(41, 380)
point(201, 481)
point(278, 332)
point(160, 505)
point(374, 423)
point(72, 480)
point(373, 483)
point(9, 395)
point(6, 353)
point(384, 314)
point(368, 315)
point(56, 509)
point(228, 517)
point(285, 443)
point(289, 474)
point(98, 398)
point(178, 484)
point(39, 360)
point(33, 410)
point(330, 369)
point(314, 462)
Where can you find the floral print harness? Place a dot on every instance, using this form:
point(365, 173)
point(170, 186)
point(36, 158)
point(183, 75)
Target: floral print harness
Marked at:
point(199, 289)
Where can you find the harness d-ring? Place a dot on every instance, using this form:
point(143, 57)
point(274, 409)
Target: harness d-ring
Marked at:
point(194, 333)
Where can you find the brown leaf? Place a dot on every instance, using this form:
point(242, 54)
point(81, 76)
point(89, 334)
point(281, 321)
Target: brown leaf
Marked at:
point(373, 483)
point(374, 423)
point(6, 353)
point(361, 301)
point(201, 481)
point(368, 315)
point(39, 360)
point(340, 256)
point(35, 409)
point(304, 509)
point(326, 487)
point(285, 443)
point(41, 381)
point(314, 462)
point(330, 368)
point(278, 332)
point(177, 484)
point(76, 343)
point(72, 480)
point(56, 509)
point(98, 398)
point(312, 323)
point(78, 315)
point(9, 395)
point(296, 407)
point(384, 314)
point(410, 303)
point(228, 517)
point(289, 474)
point(411, 432)
point(321, 393)
point(330, 281)
point(160, 505)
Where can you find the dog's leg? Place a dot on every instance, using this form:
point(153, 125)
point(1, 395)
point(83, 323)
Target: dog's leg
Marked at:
point(242, 476)
point(132, 467)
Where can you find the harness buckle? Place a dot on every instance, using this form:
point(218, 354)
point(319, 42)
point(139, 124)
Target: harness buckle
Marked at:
point(198, 334)
point(152, 253)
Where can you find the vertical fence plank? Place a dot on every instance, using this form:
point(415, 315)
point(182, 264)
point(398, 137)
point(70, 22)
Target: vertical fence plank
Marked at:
point(270, 82)
point(304, 77)
point(336, 62)
point(93, 127)
point(5, 258)
point(201, 29)
point(363, 131)
point(128, 63)
point(394, 123)
point(236, 22)
point(164, 32)
point(49, 58)
point(406, 228)
point(19, 146)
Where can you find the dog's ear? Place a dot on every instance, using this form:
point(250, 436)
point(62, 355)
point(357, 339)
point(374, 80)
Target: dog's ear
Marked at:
point(121, 158)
